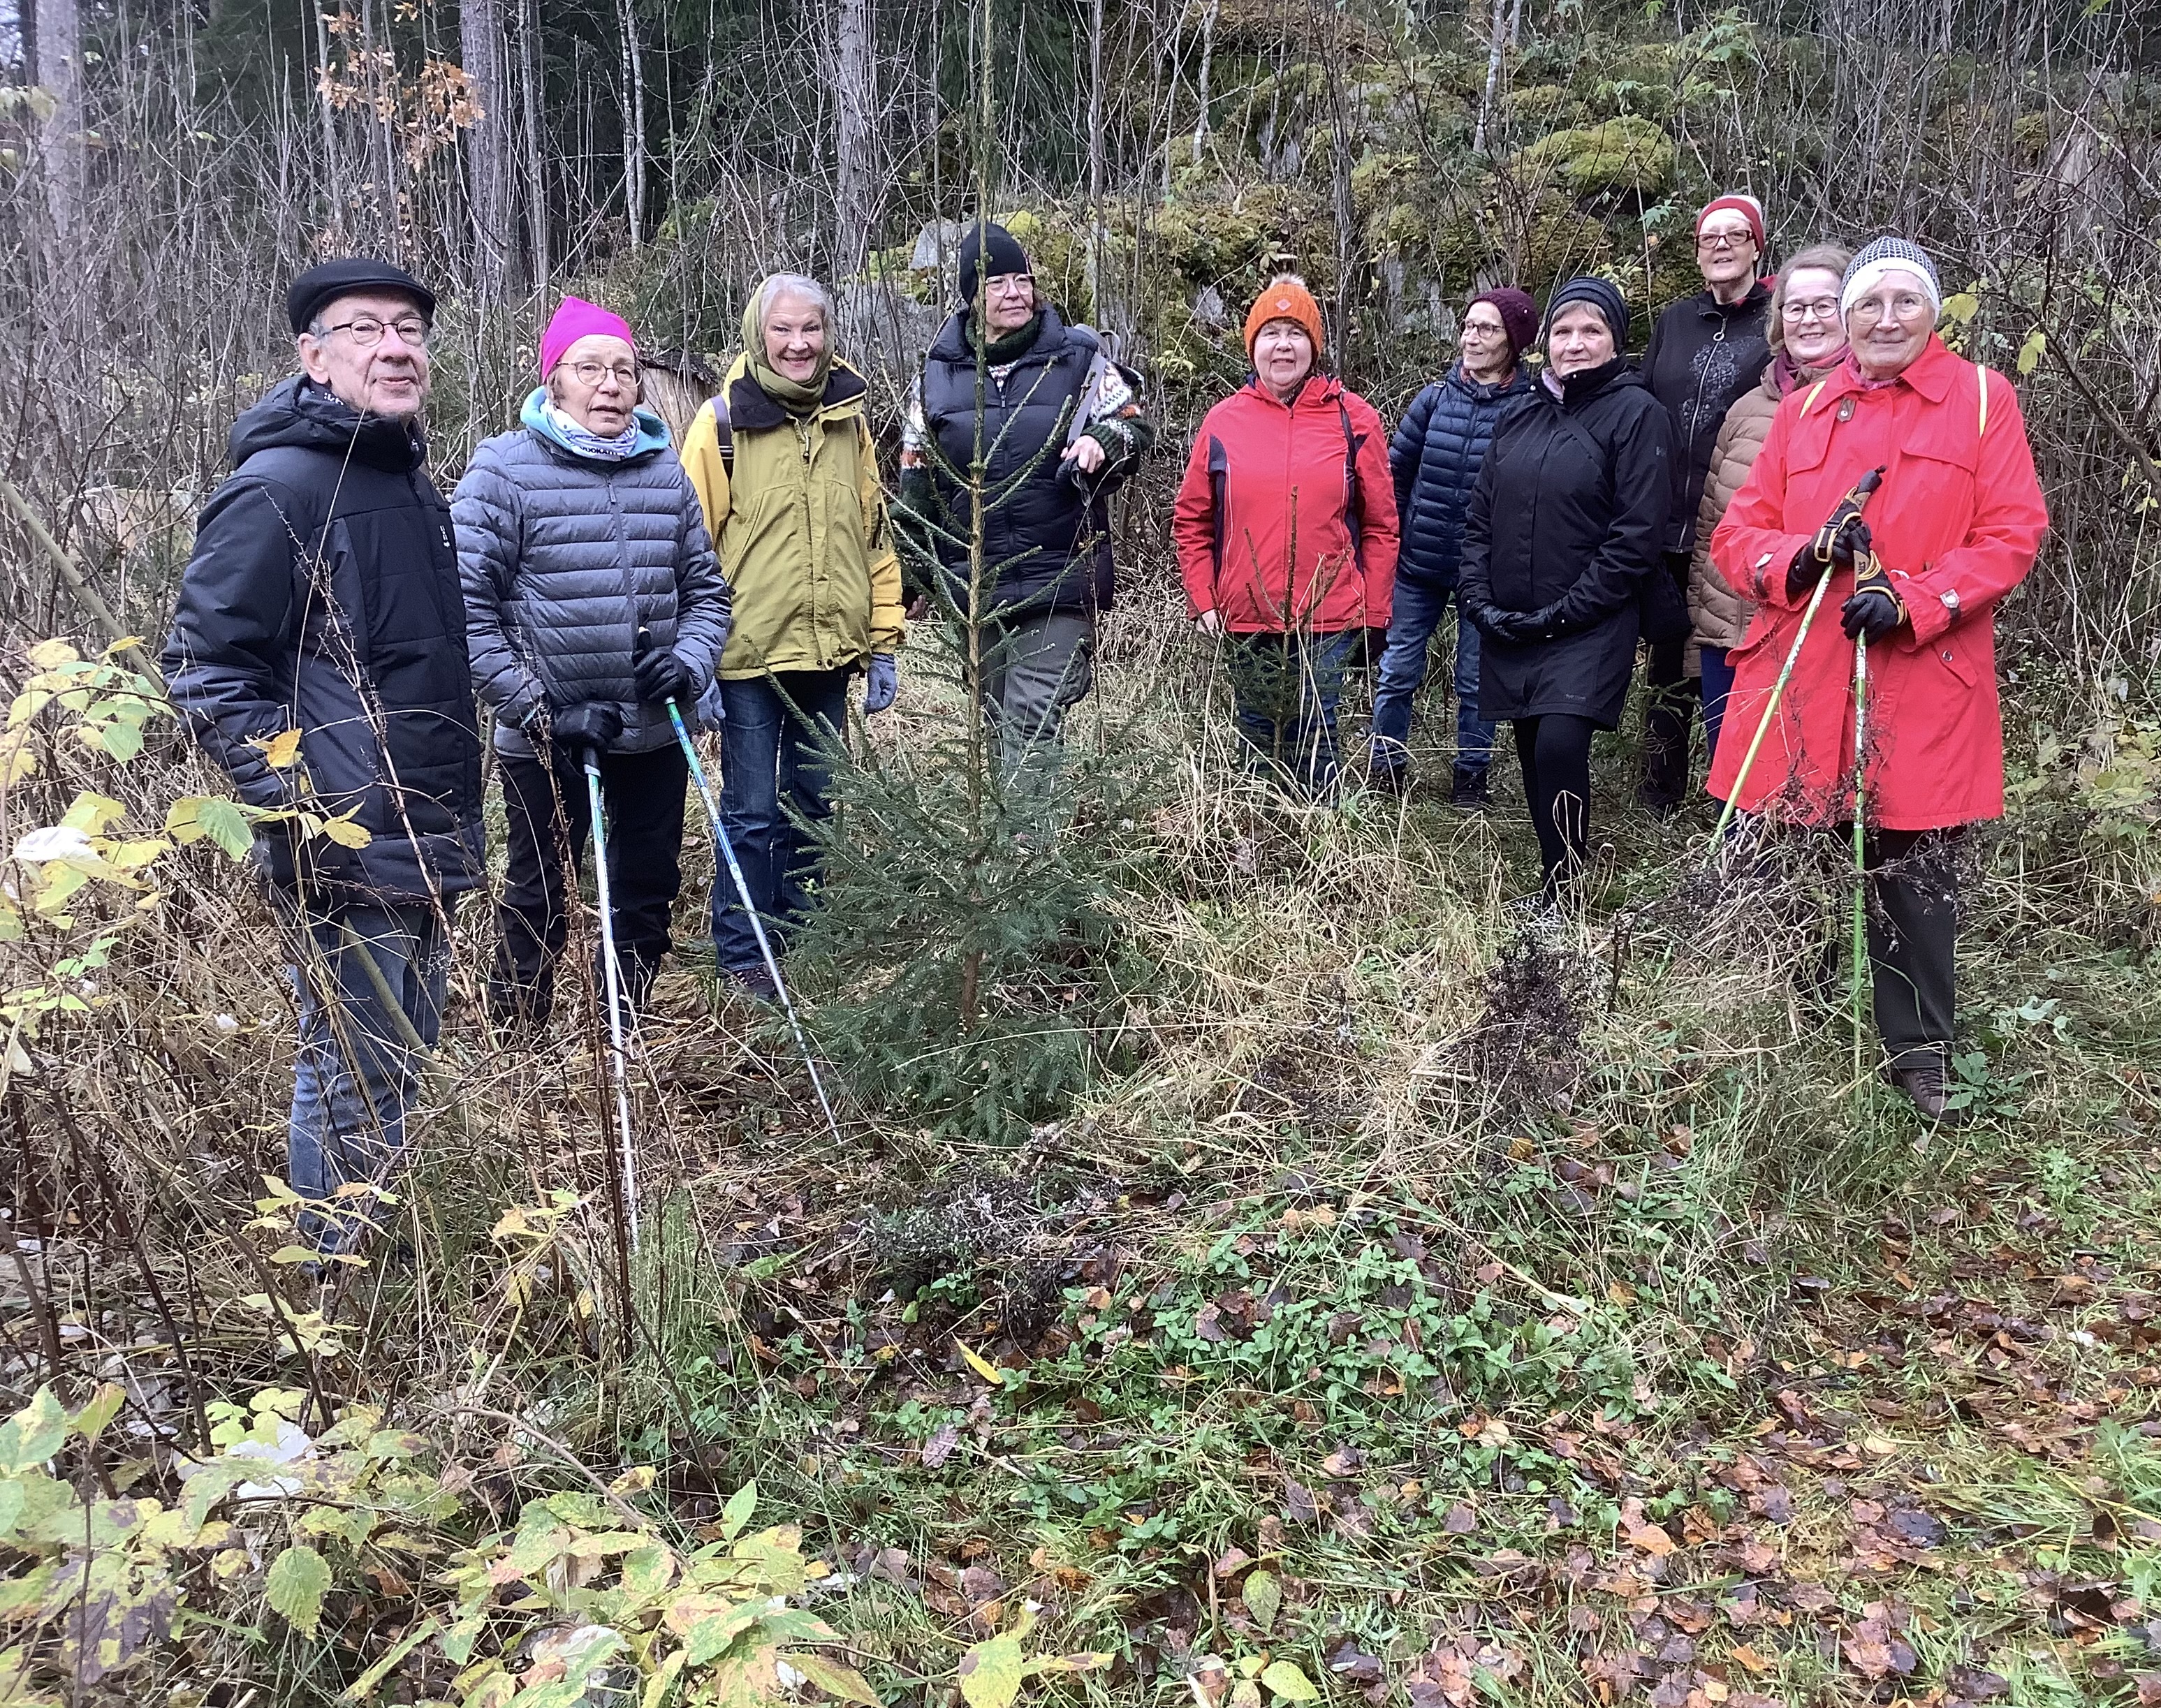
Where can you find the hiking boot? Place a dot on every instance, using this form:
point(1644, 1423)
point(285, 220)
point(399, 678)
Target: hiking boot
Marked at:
point(1469, 790)
point(1388, 779)
point(1923, 1083)
point(753, 982)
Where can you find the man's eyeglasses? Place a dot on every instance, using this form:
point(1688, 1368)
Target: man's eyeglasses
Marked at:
point(1822, 308)
point(591, 374)
point(1724, 240)
point(368, 331)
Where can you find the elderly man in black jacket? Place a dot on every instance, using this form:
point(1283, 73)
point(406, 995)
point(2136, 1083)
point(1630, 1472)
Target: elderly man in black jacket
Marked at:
point(322, 600)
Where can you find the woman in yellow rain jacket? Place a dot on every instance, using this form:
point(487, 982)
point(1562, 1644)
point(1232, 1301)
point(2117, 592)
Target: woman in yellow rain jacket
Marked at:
point(784, 463)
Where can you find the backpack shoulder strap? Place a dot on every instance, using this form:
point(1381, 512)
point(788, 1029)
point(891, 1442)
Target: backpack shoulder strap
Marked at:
point(724, 430)
point(1980, 375)
point(1219, 494)
point(1354, 508)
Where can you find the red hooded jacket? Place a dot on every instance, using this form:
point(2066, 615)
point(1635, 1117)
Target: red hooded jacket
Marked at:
point(1957, 522)
point(1263, 476)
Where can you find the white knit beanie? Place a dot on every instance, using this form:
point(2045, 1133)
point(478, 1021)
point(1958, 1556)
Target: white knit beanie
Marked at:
point(1888, 255)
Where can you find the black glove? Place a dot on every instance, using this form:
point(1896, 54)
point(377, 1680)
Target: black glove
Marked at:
point(285, 856)
point(587, 728)
point(1513, 627)
point(1845, 544)
point(1874, 613)
point(660, 674)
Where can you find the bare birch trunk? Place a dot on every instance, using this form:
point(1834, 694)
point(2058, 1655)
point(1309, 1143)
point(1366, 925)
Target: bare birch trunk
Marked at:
point(58, 72)
point(633, 124)
point(855, 109)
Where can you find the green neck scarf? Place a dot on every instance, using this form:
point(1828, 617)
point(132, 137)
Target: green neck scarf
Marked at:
point(797, 397)
point(1012, 345)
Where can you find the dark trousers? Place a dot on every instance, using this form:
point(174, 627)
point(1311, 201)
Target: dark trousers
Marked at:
point(1717, 684)
point(1671, 714)
point(1287, 688)
point(1554, 753)
point(1913, 940)
point(776, 778)
point(550, 819)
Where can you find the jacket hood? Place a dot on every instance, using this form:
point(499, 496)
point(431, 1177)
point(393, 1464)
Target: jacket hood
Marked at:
point(753, 409)
point(652, 430)
point(951, 344)
point(299, 413)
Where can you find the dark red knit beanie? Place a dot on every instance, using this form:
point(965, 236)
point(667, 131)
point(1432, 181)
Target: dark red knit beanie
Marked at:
point(1518, 313)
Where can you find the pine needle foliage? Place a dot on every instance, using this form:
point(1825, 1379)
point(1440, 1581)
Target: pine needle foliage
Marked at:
point(971, 965)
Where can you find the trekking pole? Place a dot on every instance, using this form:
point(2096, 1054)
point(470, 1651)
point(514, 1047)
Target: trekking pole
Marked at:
point(750, 912)
point(1851, 505)
point(611, 971)
point(1860, 842)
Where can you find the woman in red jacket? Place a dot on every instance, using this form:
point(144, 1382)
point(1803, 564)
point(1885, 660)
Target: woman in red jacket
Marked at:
point(1286, 534)
point(1954, 528)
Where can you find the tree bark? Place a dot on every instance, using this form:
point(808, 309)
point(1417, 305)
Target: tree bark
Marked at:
point(487, 55)
point(536, 156)
point(59, 71)
point(633, 122)
point(855, 106)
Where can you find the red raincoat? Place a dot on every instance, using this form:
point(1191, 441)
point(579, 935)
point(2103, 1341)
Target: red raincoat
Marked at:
point(1257, 470)
point(1957, 522)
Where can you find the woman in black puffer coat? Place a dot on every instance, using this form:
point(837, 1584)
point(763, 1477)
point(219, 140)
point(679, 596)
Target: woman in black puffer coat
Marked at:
point(1570, 515)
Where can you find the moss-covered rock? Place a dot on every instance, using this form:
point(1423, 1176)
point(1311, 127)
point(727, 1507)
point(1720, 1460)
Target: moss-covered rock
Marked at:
point(1626, 153)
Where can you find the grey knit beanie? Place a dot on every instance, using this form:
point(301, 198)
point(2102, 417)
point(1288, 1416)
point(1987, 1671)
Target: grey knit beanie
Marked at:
point(1888, 255)
point(1602, 295)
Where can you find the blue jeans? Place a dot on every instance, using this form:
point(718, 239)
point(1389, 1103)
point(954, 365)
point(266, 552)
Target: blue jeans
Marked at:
point(1420, 607)
point(357, 1070)
point(1287, 688)
point(775, 772)
point(1717, 684)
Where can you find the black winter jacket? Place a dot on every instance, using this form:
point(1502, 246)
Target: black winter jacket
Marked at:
point(322, 596)
point(1703, 356)
point(1435, 456)
point(1568, 516)
point(1047, 535)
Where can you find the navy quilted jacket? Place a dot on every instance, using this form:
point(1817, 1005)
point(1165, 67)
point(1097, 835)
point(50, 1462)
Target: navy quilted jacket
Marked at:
point(563, 557)
point(322, 597)
point(1436, 455)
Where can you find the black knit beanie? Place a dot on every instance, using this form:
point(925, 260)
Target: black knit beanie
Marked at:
point(1602, 295)
point(1006, 254)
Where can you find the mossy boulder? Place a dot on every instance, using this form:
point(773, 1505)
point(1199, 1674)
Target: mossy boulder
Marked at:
point(1625, 154)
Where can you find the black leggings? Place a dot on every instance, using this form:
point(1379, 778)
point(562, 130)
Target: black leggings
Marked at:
point(1554, 750)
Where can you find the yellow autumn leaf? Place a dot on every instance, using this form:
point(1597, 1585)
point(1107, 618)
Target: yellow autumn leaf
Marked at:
point(346, 834)
point(279, 750)
point(982, 1366)
point(2031, 350)
point(51, 654)
point(1962, 307)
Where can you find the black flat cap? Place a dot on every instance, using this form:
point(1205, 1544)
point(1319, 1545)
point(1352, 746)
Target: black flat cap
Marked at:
point(332, 279)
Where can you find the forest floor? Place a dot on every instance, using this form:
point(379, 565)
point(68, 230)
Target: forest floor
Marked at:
point(1456, 1309)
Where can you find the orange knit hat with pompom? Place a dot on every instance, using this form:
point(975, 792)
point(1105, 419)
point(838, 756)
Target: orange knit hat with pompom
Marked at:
point(1286, 298)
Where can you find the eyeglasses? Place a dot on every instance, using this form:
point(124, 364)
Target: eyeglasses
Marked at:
point(1822, 308)
point(1725, 239)
point(1907, 305)
point(368, 331)
point(1479, 329)
point(1009, 284)
point(591, 374)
